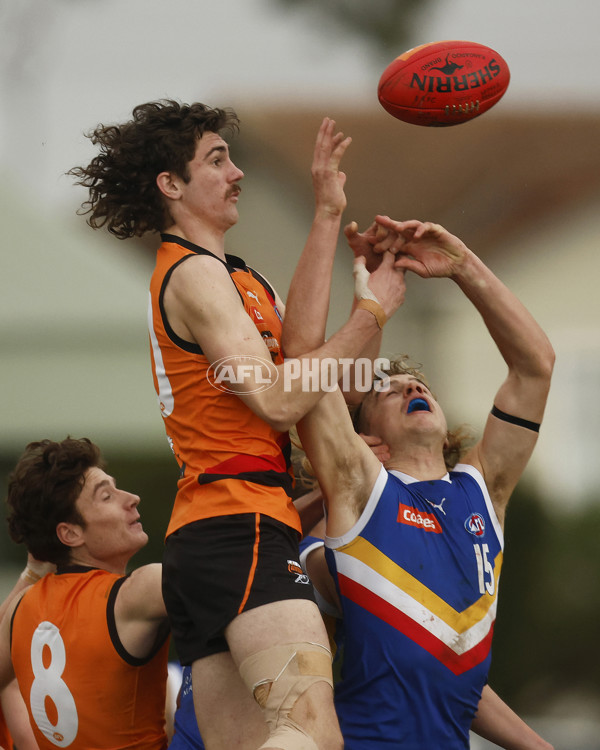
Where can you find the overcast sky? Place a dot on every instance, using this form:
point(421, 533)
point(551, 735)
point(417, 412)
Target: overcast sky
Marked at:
point(66, 65)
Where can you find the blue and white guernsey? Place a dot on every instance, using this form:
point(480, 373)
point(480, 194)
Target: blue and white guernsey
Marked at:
point(417, 577)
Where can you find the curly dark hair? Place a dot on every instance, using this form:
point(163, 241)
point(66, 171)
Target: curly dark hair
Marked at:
point(161, 137)
point(42, 491)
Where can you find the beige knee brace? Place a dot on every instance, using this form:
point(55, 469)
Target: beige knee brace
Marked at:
point(277, 677)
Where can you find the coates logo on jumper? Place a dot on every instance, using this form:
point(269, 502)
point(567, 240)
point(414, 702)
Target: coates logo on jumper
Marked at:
point(413, 517)
point(242, 374)
point(475, 524)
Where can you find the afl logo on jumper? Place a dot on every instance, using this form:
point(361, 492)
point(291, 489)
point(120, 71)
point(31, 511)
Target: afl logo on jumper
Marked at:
point(475, 524)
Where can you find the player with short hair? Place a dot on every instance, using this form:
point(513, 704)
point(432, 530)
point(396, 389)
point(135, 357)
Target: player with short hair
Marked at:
point(415, 548)
point(242, 612)
point(88, 644)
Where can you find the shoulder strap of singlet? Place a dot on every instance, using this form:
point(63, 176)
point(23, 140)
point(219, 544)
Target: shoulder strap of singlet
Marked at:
point(161, 636)
point(261, 279)
point(12, 619)
point(232, 263)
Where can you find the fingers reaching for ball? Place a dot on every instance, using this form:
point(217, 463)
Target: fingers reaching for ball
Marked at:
point(328, 179)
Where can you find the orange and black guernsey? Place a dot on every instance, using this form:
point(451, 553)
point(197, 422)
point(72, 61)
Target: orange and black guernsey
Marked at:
point(82, 689)
point(231, 461)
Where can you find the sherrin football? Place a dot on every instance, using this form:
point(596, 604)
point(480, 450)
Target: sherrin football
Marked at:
point(443, 83)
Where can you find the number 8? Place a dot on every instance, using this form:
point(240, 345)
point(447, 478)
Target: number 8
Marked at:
point(48, 684)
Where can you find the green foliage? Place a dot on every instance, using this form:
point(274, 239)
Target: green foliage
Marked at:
point(549, 610)
point(385, 24)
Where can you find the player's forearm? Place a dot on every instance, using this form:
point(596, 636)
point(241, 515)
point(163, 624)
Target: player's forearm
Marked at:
point(307, 304)
point(310, 509)
point(498, 723)
point(370, 352)
point(17, 718)
point(299, 383)
point(520, 340)
point(33, 571)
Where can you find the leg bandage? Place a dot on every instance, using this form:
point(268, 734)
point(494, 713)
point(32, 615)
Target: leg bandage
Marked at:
point(277, 677)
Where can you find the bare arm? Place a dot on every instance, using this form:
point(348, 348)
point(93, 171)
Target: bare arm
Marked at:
point(343, 464)
point(310, 509)
point(504, 450)
point(309, 295)
point(318, 572)
point(17, 718)
point(496, 722)
point(308, 298)
point(203, 306)
point(33, 571)
point(140, 612)
point(7, 673)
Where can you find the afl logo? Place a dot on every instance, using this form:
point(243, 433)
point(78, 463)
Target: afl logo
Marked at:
point(242, 374)
point(475, 524)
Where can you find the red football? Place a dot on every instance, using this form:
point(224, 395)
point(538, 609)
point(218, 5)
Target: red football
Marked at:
point(443, 83)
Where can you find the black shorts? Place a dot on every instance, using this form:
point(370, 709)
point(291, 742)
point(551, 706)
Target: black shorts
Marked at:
point(216, 568)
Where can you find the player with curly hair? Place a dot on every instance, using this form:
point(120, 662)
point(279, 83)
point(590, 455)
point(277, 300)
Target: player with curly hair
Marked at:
point(242, 613)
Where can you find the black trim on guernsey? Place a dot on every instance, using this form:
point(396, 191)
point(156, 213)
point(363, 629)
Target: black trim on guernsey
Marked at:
point(12, 618)
point(161, 636)
point(266, 478)
point(261, 279)
point(60, 570)
point(232, 263)
point(63, 569)
point(534, 426)
point(187, 346)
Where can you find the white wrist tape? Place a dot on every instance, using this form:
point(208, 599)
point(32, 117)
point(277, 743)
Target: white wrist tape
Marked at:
point(366, 299)
point(361, 281)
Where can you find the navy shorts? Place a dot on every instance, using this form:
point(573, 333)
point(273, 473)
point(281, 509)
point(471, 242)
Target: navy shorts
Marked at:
point(217, 568)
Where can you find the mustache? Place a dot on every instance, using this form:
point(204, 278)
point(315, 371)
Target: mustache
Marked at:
point(233, 190)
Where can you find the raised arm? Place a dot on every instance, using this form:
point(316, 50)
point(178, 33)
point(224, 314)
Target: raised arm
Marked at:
point(510, 436)
point(344, 465)
point(307, 304)
point(205, 304)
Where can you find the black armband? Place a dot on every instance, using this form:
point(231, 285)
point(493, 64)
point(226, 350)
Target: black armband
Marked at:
point(515, 420)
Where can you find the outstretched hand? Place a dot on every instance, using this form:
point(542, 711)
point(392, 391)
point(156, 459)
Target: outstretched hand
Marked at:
point(328, 181)
point(371, 243)
point(425, 248)
point(364, 243)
